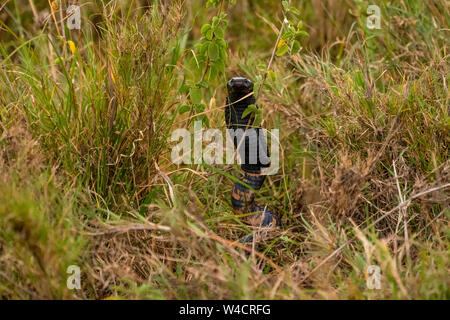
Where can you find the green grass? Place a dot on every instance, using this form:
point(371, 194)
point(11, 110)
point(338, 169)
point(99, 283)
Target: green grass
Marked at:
point(87, 180)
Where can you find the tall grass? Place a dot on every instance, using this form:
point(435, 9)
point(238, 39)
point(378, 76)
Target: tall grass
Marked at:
point(87, 179)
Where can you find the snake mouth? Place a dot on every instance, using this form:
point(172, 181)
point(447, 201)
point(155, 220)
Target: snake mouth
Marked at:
point(239, 87)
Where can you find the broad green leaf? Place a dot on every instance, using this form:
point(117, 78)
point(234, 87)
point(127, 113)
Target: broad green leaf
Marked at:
point(213, 51)
point(219, 33)
point(287, 34)
point(282, 50)
point(203, 48)
point(212, 72)
point(294, 10)
point(302, 33)
point(295, 46)
point(219, 65)
point(258, 118)
point(223, 55)
point(250, 109)
point(272, 75)
point(183, 109)
point(222, 43)
point(196, 95)
point(205, 28)
point(209, 34)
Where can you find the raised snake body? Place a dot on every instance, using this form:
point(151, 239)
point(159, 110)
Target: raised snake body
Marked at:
point(240, 96)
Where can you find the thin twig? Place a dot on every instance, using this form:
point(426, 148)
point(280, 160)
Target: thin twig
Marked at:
point(402, 213)
point(132, 227)
point(272, 57)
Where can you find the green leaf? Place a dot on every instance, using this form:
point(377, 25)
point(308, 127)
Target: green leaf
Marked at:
point(204, 119)
point(184, 108)
point(287, 34)
point(222, 43)
point(209, 34)
point(250, 109)
point(223, 55)
point(203, 48)
point(183, 89)
point(205, 28)
point(212, 72)
point(199, 108)
point(213, 51)
point(302, 33)
point(261, 67)
point(258, 118)
point(282, 50)
point(294, 10)
point(272, 75)
point(202, 84)
point(295, 47)
point(219, 65)
point(219, 33)
point(196, 95)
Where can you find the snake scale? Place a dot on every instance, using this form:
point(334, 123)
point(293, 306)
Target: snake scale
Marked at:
point(240, 96)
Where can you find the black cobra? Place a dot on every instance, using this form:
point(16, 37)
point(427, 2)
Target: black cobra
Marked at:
point(254, 155)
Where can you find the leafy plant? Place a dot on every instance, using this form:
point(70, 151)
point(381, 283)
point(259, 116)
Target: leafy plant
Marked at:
point(292, 31)
point(208, 61)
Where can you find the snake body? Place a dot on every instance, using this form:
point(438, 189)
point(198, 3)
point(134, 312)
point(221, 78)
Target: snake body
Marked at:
point(240, 96)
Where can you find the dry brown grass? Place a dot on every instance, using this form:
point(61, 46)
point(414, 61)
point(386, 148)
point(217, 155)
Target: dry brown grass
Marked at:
point(365, 161)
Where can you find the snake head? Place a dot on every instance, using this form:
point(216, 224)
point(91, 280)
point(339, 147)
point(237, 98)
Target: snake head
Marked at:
point(238, 88)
